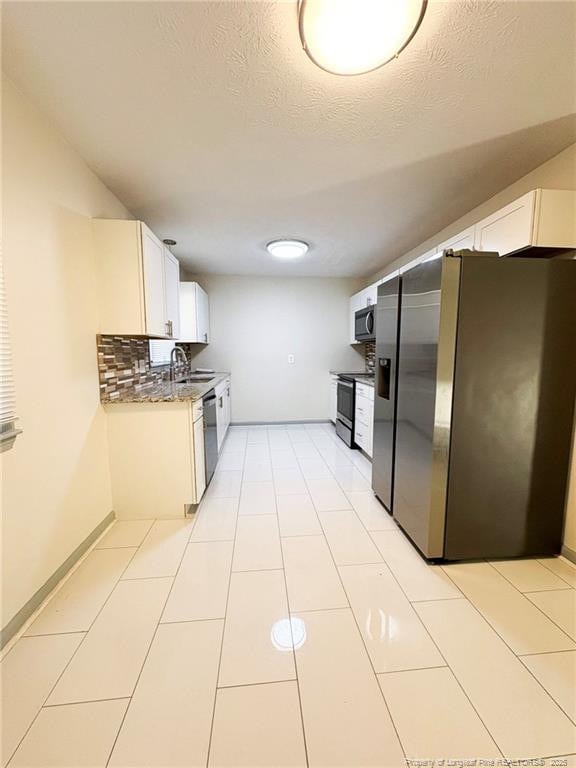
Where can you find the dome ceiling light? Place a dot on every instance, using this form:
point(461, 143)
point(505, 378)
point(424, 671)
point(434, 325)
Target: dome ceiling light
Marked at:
point(287, 249)
point(352, 37)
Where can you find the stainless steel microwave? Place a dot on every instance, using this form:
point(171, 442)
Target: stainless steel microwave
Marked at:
point(364, 324)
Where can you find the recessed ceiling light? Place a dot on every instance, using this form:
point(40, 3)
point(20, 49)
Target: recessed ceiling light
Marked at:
point(287, 249)
point(351, 37)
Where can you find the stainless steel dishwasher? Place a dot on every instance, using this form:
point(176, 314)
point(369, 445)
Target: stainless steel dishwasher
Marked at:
point(210, 434)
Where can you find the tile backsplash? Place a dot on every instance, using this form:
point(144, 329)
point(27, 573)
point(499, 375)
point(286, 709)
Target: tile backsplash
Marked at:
point(370, 356)
point(124, 363)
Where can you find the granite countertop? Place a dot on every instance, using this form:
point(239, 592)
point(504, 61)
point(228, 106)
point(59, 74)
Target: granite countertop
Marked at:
point(166, 392)
point(361, 376)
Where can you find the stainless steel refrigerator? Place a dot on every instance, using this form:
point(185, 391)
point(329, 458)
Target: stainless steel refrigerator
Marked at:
point(386, 371)
point(477, 458)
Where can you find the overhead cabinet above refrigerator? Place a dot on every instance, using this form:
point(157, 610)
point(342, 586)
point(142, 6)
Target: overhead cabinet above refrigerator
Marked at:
point(473, 455)
point(194, 314)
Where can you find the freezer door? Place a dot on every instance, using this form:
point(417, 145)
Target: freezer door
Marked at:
point(387, 326)
point(513, 408)
point(425, 378)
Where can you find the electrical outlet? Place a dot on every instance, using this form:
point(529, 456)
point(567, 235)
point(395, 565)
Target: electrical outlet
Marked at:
point(290, 359)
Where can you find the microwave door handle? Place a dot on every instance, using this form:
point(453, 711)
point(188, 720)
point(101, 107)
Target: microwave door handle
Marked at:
point(366, 323)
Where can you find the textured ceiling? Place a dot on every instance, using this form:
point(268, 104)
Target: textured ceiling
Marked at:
point(209, 121)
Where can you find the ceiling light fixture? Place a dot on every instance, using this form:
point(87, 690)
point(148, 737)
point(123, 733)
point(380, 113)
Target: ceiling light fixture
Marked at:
point(287, 249)
point(352, 37)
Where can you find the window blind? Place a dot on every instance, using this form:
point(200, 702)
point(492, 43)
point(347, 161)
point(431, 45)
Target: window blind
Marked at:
point(8, 431)
point(160, 351)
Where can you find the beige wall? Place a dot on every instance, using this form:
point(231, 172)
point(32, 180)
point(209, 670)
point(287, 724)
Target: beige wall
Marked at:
point(256, 322)
point(55, 483)
point(557, 173)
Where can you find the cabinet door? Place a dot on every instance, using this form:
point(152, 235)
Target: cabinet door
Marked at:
point(172, 283)
point(418, 260)
point(154, 291)
point(220, 417)
point(202, 315)
point(228, 401)
point(459, 242)
point(371, 294)
point(199, 464)
point(188, 313)
point(333, 398)
point(509, 229)
point(357, 301)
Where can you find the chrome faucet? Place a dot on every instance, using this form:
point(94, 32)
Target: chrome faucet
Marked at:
point(176, 352)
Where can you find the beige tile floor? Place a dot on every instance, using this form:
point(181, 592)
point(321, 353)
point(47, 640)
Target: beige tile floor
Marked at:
point(291, 623)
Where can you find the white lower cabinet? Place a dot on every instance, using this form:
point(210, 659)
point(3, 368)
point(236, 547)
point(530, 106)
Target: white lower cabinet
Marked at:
point(199, 460)
point(222, 392)
point(228, 405)
point(156, 458)
point(364, 417)
point(333, 398)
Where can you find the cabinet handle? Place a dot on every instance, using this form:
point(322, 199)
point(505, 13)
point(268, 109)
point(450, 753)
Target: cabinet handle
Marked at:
point(206, 338)
point(169, 330)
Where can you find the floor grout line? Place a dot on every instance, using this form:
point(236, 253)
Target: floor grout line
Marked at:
point(258, 683)
point(294, 660)
point(545, 653)
point(299, 474)
point(86, 701)
point(211, 733)
point(433, 642)
point(59, 677)
point(153, 638)
point(55, 634)
point(489, 622)
point(350, 609)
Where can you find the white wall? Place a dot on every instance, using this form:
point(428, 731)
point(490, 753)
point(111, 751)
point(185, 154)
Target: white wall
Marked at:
point(256, 322)
point(55, 480)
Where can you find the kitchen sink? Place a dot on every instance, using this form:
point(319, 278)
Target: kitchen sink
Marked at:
point(192, 379)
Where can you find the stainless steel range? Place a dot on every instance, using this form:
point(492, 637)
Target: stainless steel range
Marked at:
point(345, 410)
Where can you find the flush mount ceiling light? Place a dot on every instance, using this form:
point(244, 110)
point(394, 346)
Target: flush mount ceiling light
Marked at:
point(287, 249)
point(351, 37)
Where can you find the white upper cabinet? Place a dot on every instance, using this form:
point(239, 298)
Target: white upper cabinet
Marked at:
point(542, 217)
point(459, 242)
point(418, 260)
point(172, 293)
point(194, 314)
point(154, 286)
point(203, 314)
point(508, 229)
point(356, 303)
point(371, 294)
point(136, 279)
point(389, 276)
